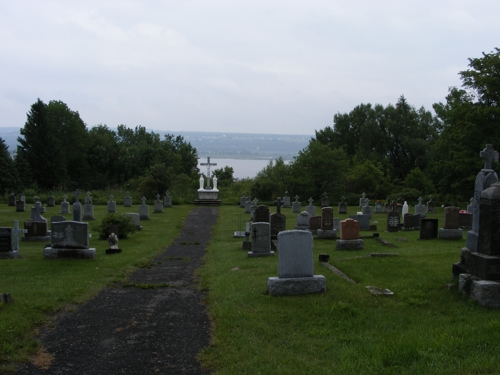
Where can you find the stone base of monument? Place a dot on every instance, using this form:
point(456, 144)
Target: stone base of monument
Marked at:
point(247, 245)
point(208, 197)
point(329, 234)
point(484, 292)
point(113, 251)
point(350, 244)
point(277, 286)
point(54, 253)
point(10, 255)
point(451, 234)
point(252, 254)
point(36, 238)
point(458, 269)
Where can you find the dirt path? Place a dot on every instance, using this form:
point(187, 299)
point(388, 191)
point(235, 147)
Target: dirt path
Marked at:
point(138, 331)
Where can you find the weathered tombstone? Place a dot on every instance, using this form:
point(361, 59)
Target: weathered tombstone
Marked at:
point(296, 205)
point(243, 199)
point(88, 208)
point(470, 207)
point(286, 200)
point(127, 201)
point(261, 214)
point(342, 206)
point(481, 283)
point(388, 205)
point(408, 221)
point(366, 209)
point(379, 207)
point(37, 227)
point(144, 210)
point(451, 228)
point(111, 205)
point(12, 200)
point(303, 221)
point(484, 179)
point(311, 209)
point(399, 208)
point(393, 222)
point(416, 221)
point(428, 229)
point(314, 224)
point(253, 207)
point(69, 239)
point(278, 220)
point(362, 200)
point(248, 206)
point(261, 240)
point(65, 206)
point(57, 219)
point(349, 236)
point(327, 230)
point(6, 243)
point(363, 220)
point(465, 220)
point(325, 201)
point(158, 205)
point(20, 205)
point(420, 208)
point(247, 244)
point(51, 201)
point(336, 224)
point(431, 206)
point(135, 218)
point(77, 208)
point(37, 211)
point(167, 200)
point(295, 266)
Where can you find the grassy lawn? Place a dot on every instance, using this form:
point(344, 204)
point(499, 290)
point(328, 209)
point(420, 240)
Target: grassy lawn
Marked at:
point(425, 328)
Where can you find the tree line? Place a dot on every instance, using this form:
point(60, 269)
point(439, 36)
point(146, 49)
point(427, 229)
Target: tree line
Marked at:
point(380, 150)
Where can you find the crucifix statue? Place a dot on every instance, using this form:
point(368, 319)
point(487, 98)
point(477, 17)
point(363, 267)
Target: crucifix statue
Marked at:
point(208, 164)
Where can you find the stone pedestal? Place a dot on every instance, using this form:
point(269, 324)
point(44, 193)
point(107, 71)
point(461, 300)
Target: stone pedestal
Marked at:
point(484, 292)
point(52, 253)
point(350, 244)
point(208, 197)
point(451, 234)
point(295, 286)
point(329, 234)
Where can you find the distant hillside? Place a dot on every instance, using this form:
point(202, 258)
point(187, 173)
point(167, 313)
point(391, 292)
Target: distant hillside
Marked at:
point(221, 145)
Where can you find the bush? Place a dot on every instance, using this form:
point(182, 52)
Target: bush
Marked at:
point(125, 226)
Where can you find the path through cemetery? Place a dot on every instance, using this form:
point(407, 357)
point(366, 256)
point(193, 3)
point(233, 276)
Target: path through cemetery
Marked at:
point(131, 330)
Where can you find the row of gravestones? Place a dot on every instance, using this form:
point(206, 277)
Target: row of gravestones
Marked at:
point(68, 238)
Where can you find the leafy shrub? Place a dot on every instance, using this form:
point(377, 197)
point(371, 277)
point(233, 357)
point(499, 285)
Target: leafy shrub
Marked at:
point(125, 226)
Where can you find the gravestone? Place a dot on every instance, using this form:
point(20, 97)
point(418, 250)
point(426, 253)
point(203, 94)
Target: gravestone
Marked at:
point(431, 206)
point(77, 208)
point(37, 211)
point(303, 221)
point(336, 224)
point(484, 179)
point(208, 195)
point(57, 218)
point(111, 206)
point(69, 239)
point(465, 220)
point(388, 207)
point(342, 206)
point(470, 207)
point(296, 205)
point(325, 201)
point(261, 240)
point(135, 218)
point(399, 208)
point(247, 243)
point(253, 207)
point(158, 205)
point(20, 205)
point(88, 208)
point(243, 199)
point(420, 208)
point(278, 220)
point(144, 210)
point(127, 201)
point(327, 230)
point(65, 206)
point(12, 200)
point(393, 222)
point(408, 222)
point(295, 266)
point(363, 220)
point(362, 200)
point(311, 209)
point(366, 209)
point(416, 221)
point(349, 236)
point(481, 283)
point(5, 242)
point(51, 201)
point(286, 200)
point(37, 227)
point(248, 206)
point(261, 214)
point(167, 200)
point(314, 224)
point(379, 208)
point(451, 228)
point(428, 229)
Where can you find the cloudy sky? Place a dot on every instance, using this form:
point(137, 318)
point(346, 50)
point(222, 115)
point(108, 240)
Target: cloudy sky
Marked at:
point(234, 66)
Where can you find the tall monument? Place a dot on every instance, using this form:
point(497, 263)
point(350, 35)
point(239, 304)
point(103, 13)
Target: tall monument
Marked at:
point(208, 195)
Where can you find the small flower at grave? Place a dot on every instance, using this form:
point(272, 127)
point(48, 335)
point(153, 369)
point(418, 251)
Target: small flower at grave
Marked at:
point(379, 201)
point(463, 212)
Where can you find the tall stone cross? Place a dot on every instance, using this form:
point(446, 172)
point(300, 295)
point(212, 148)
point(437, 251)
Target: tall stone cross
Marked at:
point(208, 164)
point(278, 203)
point(15, 233)
point(310, 200)
point(489, 155)
point(143, 199)
point(297, 198)
point(158, 197)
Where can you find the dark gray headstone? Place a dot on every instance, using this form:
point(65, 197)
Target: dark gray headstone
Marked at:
point(364, 221)
point(278, 223)
point(327, 218)
point(489, 221)
point(428, 229)
point(295, 250)
point(69, 235)
point(261, 214)
point(451, 219)
point(314, 223)
point(12, 200)
point(393, 222)
point(5, 240)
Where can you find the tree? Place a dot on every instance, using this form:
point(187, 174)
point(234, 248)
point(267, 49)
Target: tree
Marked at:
point(224, 176)
point(272, 180)
point(8, 176)
point(103, 158)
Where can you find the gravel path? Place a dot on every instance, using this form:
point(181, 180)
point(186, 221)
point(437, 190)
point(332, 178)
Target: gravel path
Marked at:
point(129, 330)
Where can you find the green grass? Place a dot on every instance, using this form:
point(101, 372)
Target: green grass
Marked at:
point(425, 328)
point(40, 287)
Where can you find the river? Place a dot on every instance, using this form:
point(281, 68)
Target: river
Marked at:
point(243, 168)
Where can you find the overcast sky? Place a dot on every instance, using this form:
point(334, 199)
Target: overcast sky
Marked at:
point(234, 66)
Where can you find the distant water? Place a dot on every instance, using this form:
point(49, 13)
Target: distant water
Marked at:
point(243, 168)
